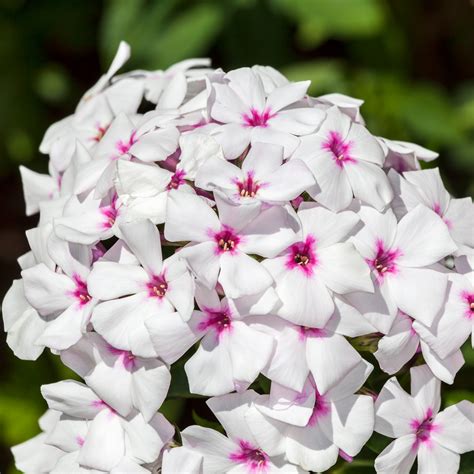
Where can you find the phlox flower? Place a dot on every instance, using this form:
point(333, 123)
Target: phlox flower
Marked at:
point(408, 337)
point(400, 256)
point(220, 245)
point(263, 177)
point(121, 379)
point(250, 115)
point(313, 426)
point(346, 161)
point(436, 439)
point(317, 263)
point(239, 451)
point(232, 352)
point(101, 437)
point(61, 295)
point(426, 187)
point(132, 293)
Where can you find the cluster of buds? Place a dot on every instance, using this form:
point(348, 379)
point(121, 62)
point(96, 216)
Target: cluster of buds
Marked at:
point(261, 238)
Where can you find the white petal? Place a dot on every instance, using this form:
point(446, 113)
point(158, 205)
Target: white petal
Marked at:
point(412, 285)
point(67, 328)
point(398, 457)
point(72, 398)
point(395, 410)
point(104, 445)
point(330, 358)
point(364, 146)
point(343, 269)
point(425, 388)
point(306, 300)
point(328, 227)
point(234, 138)
point(156, 145)
point(208, 369)
point(455, 427)
point(151, 381)
point(242, 275)
point(203, 261)
point(398, 346)
point(445, 369)
point(369, 183)
point(215, 448)
point(171, 336)
point(276, 137)
point(249, 351)
point(270, 233)
point(414, 238)
point(109, 280)
point(288, 364)
point(298, 121)
point(143, 239)
point(189, 218)
point(263, 159)
point(146, 440)
point(436, 459)
point(230, 410)
point(47, 291)
point(351, 423)
point(179, 460)
point(310, 449)
point(286, 95)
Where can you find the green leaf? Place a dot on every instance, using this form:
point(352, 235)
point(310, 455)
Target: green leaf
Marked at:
point(377, 443)
point(466, 465)
point(325, 76)
point(322, 19)
point(190, 34)
point(199, 420)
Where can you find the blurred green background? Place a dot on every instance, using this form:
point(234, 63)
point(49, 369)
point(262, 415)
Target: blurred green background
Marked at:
point(411, 61)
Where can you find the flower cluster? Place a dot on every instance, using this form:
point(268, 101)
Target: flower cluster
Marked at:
point(234, 225)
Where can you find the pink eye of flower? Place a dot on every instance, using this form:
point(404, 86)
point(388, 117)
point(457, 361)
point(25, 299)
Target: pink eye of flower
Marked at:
point(385, 260)
point(469, 299)
point(100, 133)
point(124, 146)
point(248, 187)
point(302, 255)
point(81, 293)
point(157, 286)
point(255, 458)
point(423, 429)
point(227, 240)
point(177, 180)
point(218, 319)
point(257, 119)
point(339, 149)
point(320, 408)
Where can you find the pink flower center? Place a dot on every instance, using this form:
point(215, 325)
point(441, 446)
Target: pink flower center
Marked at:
point(321, 408)
point(81, 293)
point(469, 299)
point(100, 132)
point(339, 148)
point(302, 255)
point(124, 146)
point(423, 428)
point(248, 187)
point(110, 214)
point(227, 240)
point(219, 320)
point(177, 180)
point(157, 286)
point(128, 359)
point(385, 261)
point(257, 119)
point(254, 458)
point(305, 332)
point(80, 440)
point(439, 211)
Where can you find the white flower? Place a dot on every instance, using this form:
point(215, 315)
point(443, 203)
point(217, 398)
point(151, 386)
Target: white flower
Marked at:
point(435, 438)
